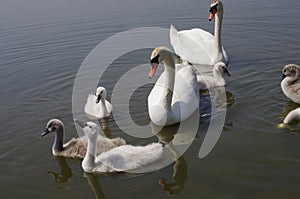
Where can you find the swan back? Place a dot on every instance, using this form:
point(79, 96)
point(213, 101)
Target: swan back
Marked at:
point(293, 115)
point(122, 158)
point(128, 157)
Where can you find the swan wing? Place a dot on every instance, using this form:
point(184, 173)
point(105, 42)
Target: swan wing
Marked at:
point(128, 157)
point(75, 148)
point(195, 45)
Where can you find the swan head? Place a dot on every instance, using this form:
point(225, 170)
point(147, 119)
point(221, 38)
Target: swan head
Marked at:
point(290, 70)
point(158, 55)
point(221, 68)
point(53, 126)
point(215, 6)
point(100, 94)
point(90, 129)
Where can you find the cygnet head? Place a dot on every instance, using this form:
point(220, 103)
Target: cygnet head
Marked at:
point(290, 70)
point(90, 129)
point(215, 6)
point(100, 94)
point(53, 126)
point(221, 68)
point(158, 55)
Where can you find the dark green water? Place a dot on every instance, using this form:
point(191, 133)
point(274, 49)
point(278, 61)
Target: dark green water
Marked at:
point(42, 45)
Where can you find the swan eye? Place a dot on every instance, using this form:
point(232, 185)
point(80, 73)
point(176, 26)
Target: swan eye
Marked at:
point(155, 60)
point(213, 9)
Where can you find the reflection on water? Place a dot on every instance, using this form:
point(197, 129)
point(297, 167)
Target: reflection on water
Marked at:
point(65, 173)
point(168, 136)
point(104, 124)
point(95, 185)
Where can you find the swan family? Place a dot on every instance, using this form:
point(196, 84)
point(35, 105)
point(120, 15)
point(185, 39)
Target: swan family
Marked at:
point(174, 97)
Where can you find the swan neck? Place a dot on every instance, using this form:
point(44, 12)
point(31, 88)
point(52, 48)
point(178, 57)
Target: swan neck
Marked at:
point(218, 77)
point(89, 158)
point(218, 29)
point(103, 105)
point(170, 80)
point(290, 79)
point(59, 140)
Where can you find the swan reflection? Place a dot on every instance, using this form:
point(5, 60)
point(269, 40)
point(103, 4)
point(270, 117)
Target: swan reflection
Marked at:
point(65, 171)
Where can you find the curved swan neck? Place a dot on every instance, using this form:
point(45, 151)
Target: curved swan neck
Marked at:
point(89, 158)
point(218, 77)
point(170, 79)
point(59, 140)
point(102, 106)
point(218, 27)
point(291, 79)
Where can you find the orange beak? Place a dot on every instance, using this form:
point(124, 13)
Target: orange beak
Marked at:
point(152, 70)
point(212, 14)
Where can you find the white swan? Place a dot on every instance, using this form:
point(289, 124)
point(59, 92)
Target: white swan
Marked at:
point(97, 105)
point(290, 74)
point(206, 81)
point(166, 107)
point(198, 46)
point(76, 147)
point(122, 158)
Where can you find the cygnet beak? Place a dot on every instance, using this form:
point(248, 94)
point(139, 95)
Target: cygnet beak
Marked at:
point(81, 123)
point(283, 76)
point(227, 72)
point(45, 132)
point(99, 98)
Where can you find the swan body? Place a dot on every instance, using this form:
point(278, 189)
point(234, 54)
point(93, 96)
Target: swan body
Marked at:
point(76, 147)
point(119, 159)
point(198, 46)
point(291, 89)
point(293, 115)
point(166, 107)
point(206, 82)
point(97, 105)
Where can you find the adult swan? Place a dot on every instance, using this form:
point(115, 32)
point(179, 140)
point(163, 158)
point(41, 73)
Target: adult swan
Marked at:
point(166, 107)
point(198, 46)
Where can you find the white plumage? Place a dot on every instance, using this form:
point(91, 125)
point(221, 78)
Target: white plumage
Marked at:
point(166, 107)
point(97, 105)
point(198, 46)
point(123, 158)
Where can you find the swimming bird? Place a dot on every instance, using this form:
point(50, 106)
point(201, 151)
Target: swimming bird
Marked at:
point(119, 159)
point(97, 105)
point(175, 95)
point(291, 89)
point(198, 46)
point(205, 81)
point(76, 147)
